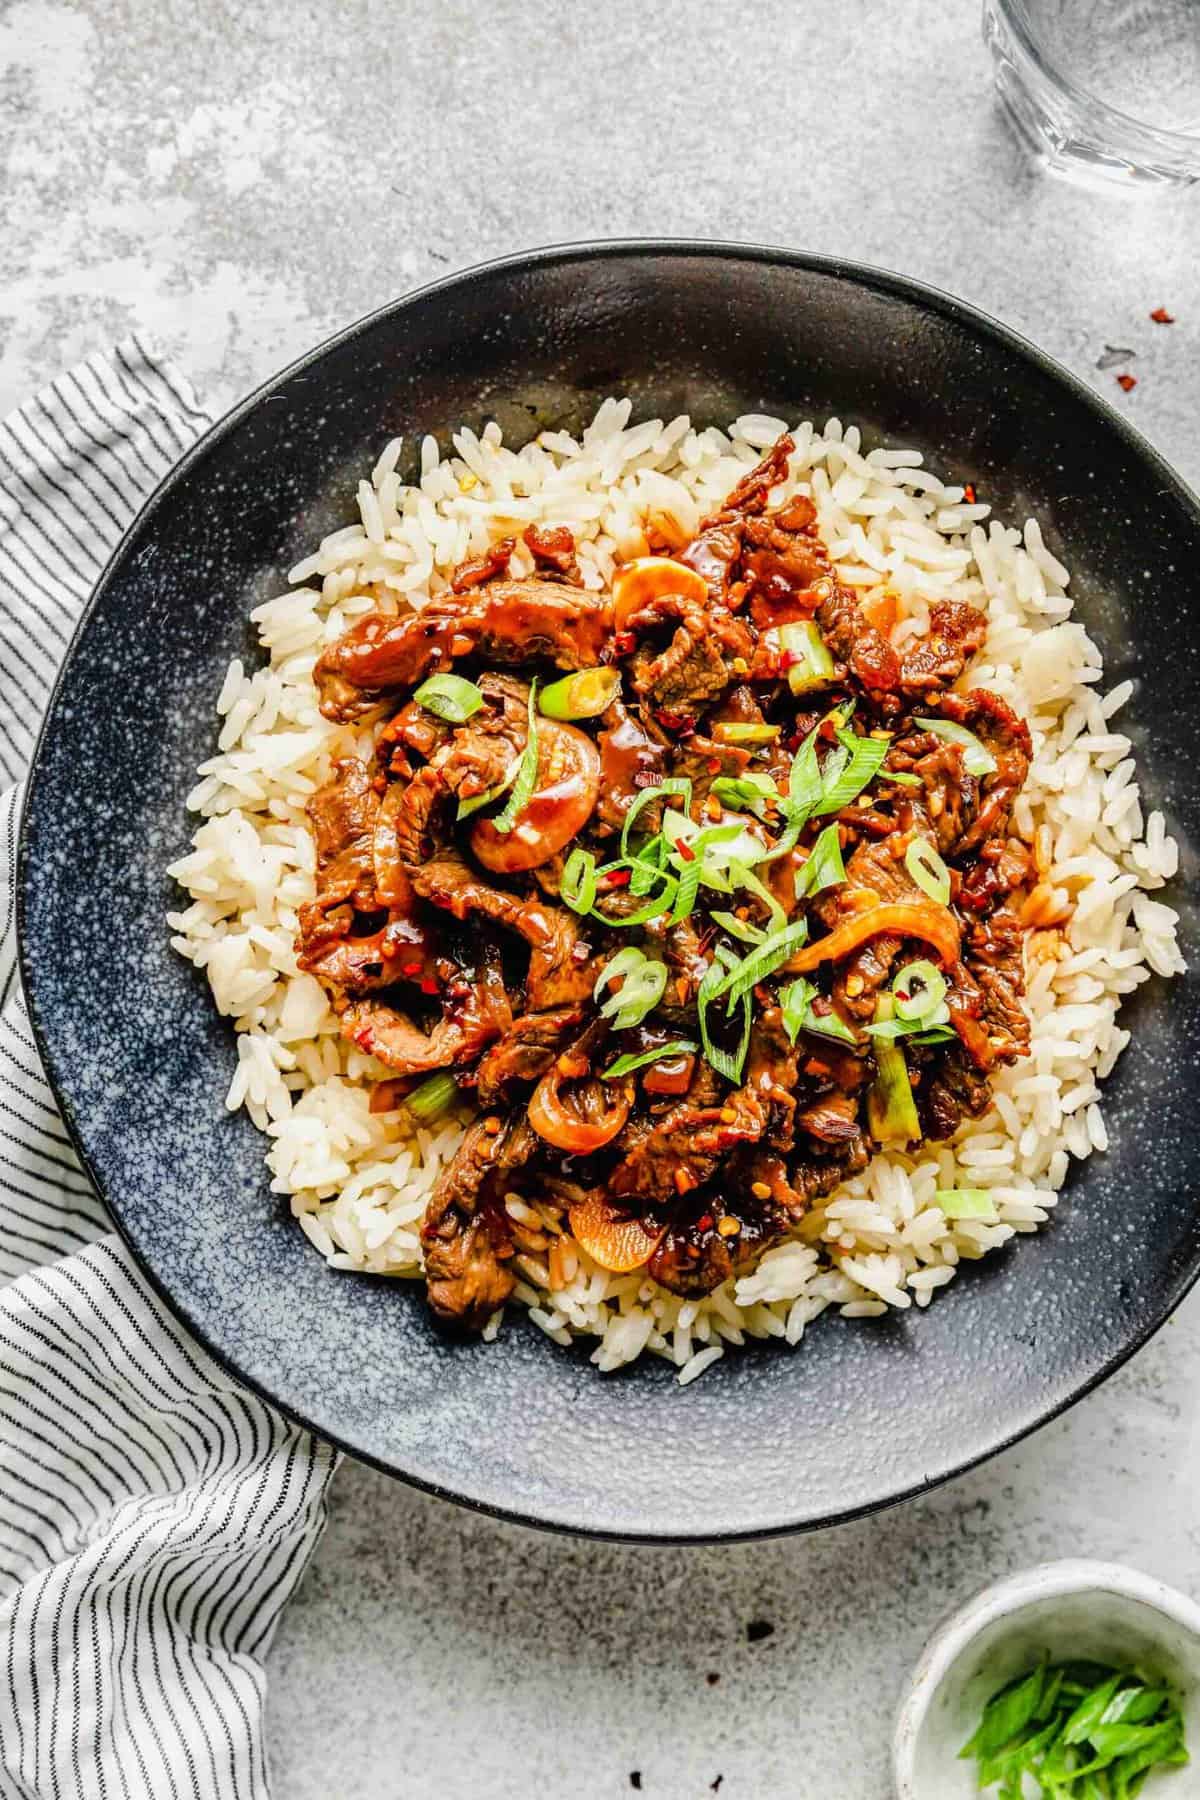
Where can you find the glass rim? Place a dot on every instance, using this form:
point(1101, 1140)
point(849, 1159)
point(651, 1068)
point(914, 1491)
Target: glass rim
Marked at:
point(1162, 134)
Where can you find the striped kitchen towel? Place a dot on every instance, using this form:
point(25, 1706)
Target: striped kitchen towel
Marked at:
point(154, 1516)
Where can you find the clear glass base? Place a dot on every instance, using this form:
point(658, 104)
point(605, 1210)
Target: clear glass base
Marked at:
point(1073, 135)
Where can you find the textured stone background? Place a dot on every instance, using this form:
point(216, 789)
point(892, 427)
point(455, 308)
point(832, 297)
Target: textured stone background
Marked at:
point(241, 178)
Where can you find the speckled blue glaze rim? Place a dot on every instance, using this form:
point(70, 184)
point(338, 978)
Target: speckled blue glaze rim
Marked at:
point(878, 281)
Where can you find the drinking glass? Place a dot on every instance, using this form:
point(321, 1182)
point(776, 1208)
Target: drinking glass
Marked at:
point(1102, 91)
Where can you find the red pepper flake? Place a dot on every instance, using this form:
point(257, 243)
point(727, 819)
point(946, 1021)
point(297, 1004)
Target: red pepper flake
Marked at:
point(969, 492)
point(410, 968)
point(618, 878)
point(704, 1222)
point(623, 642)
point(1127, 383)
point(713, 765)
point(789, 658)
point(685, 850)
point(1161, 316)
point(365, 1038)
point(429, 985)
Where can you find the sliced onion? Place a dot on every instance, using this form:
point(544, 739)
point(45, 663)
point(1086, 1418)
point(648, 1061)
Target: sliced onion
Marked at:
point(618, 1243)
point(648, 578)
point(562, 1126)
point(928, 870)
point(895, 918)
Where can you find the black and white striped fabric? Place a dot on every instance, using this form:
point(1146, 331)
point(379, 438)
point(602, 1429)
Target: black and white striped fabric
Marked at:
point(154, 1517)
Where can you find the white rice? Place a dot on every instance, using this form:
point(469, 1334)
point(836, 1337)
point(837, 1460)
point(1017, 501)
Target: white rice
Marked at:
point(358, 1184)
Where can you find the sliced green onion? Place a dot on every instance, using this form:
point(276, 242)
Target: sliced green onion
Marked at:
point(977, 758)
point(584, 695)
point(752, 792)
point(467, 807)
point(527, 768)
point(796, 1004)
point(864, 761)
point(740, 928)
point(435, 1096)
point(919, 990)
point(643, 983)
point(931, 1030)
point(966, 1203)
point(824, 868)
point(449, 697)
point(928, 870)
point(625, 1065)
point(891, 1110)
point(742, 876)
point(813, 665)
point(716, 846)
point(646, 867)
point(658, 903)
point(765, 960)
point(902, 776)
point(830, 1025)
point(737, 732)
point(725, 1062)
point(678, 785)
point(577, 886)
point(935, 1034)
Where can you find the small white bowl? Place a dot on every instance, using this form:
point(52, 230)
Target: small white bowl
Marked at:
point(1066, 1610)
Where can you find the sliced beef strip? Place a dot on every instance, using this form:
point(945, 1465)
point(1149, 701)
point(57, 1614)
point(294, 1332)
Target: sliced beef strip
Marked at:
point(464, 1235)
point(503, 622)
point(553, 547)
point(684, 1148)
point(994, 953)
point(772, 1073)
point(479, 755)
point(1007, 737)
point(950, 796)
point(633, 757)
point(956, 631)
point(697, 664)
point(476, 570)
point(525, 1052)
point(342, 817)
point(467, 1024)
point(950, 1090)
point(560, 962)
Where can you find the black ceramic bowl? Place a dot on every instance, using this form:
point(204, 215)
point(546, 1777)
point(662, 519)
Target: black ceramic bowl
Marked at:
point(767, 1441)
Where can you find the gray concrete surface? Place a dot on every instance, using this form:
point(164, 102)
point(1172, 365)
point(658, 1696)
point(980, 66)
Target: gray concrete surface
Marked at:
point(241, 178)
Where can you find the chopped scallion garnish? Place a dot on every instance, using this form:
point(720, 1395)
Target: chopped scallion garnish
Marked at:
point(928, 870)
point(584, 695)
point(449, 697)
point(977, 758)
point(435, 1096)
point(578, 883)
point(965, 1203)
point(643, 983)
point(863, 761)
point(807, 661)
point(824, 868)
point(526, 775)
point(625, 1065)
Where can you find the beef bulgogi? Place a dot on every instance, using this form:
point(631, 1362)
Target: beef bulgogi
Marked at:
point(703, 889)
